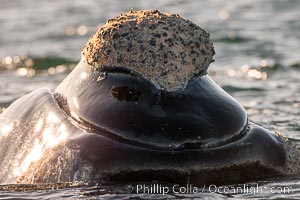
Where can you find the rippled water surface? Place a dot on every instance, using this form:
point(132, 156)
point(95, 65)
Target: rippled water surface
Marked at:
point(257, 47)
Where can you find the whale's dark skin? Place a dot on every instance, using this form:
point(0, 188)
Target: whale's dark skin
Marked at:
point(151, 134)
point(140, 106)
point(126, 129)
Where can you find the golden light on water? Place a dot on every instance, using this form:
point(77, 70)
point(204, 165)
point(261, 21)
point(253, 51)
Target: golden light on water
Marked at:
point(245, 68)
point(16, 59)
point(72, 30)
point(51, 71)
point(246, 71)
point(60, 68)
point(8, 60)
point(253, 73)
point(263, 63)
point(25, 72)
point(22, 64)
point(231, 72)
point(296, 105)
point(82, 30)
point(232, 35)
point(224, 14)
point(22, 71)
point(57, 69)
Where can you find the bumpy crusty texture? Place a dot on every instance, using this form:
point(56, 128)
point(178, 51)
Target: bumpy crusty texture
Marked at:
point(164, 48)
point(292, 165)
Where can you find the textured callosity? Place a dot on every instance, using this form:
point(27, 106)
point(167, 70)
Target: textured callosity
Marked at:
point(164, 48)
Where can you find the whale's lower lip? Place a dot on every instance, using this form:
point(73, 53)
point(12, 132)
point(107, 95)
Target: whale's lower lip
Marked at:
point(255, 155)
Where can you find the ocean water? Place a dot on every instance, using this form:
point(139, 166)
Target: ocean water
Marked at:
point(257, 57)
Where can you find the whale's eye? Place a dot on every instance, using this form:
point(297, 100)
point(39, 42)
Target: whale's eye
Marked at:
point(123, 88)
point(125, 93)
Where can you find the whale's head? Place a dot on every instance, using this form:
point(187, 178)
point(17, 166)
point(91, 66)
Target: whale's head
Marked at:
point(165, 49)
point(148, 109)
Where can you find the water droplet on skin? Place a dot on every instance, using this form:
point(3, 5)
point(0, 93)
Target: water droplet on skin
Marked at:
point(174, 145)
point(83, 75)
point(102, 76)
point(124, 93)
point(75, 102)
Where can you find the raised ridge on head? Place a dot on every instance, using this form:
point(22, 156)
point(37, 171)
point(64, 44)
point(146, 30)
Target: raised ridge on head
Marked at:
point(165, 48)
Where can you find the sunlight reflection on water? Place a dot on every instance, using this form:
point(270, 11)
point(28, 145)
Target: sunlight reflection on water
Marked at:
point(257, 61)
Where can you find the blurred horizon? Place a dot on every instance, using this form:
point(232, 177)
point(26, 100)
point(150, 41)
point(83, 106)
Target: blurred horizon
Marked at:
point(243, 32)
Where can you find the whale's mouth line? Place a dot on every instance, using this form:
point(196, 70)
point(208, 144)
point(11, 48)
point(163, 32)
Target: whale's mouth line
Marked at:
point(194, 145)
point(85, 125)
